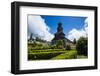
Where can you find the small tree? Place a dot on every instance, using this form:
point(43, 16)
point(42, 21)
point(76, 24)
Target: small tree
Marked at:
point(36, 38)
point(31, 36)
point(74, 41)
point(68, 47)
point(52, 46)
point(59, 44)
point(81, 46)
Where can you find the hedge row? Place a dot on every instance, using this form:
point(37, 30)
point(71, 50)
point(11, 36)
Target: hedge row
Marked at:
point(42, 55)
point(47, 50)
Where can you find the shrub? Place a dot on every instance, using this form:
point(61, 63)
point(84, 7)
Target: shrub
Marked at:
point(74, 41)
point(59, 44)
point(71, 55)
point(39, 45)
point(42, 55)
point(52, 46)
point(68, 47)
point(81, 46)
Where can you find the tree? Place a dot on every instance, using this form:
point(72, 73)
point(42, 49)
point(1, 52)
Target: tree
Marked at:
point(31, 36)
point(82, 46)
point(52, 46)
point(59, 44)
point(37, 39)
point(68, 47)
point(74, 41)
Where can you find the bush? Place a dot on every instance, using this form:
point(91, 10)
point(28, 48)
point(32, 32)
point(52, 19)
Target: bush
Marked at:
point(42, 55)
point(68, 47)
point(81, 46)
point(53, 47)
point(74, 41)
point(59, 44)
point(71, 55)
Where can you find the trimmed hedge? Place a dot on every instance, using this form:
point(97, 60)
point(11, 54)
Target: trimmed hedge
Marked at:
point(42, 55)
point(44, 50)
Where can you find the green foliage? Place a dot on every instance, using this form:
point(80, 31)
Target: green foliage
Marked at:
point(39, 45)
point(39, 39)
point(42, 55)
point(41, 50)
point(74, 41)
point(59, 44)
point(31, 36)
point(32, 44)
point(68, 47)
point(53, 47)
point(81, 46)
point(30, 50)
point(81, 56)
point(67, 55)
point(36, 45)
point(71, 55)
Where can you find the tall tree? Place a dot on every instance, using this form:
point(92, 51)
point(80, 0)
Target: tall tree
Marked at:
point(82, 46)
point(31, 36)
point(74, 41)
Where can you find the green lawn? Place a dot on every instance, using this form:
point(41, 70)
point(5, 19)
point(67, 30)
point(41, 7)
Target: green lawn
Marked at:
point(52, 54)
point(72, 54)
point(44, 52)
point(81, 56)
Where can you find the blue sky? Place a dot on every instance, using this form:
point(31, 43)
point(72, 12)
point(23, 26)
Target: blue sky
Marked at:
point(45, 26)
point(68, 22)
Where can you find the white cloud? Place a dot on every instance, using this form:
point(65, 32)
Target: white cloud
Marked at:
point(75, 33)
point(86, 25)
point(37, 26)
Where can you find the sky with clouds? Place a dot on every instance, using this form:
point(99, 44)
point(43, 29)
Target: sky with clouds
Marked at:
point(44, 27)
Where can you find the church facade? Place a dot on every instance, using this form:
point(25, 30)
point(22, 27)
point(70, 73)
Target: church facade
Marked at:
point(60, 36)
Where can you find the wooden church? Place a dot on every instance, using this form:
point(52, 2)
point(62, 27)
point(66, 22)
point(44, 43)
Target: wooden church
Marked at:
point(60, 36)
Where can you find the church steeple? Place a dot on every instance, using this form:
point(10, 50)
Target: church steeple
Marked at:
point(59, 35)
point(59, 28)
